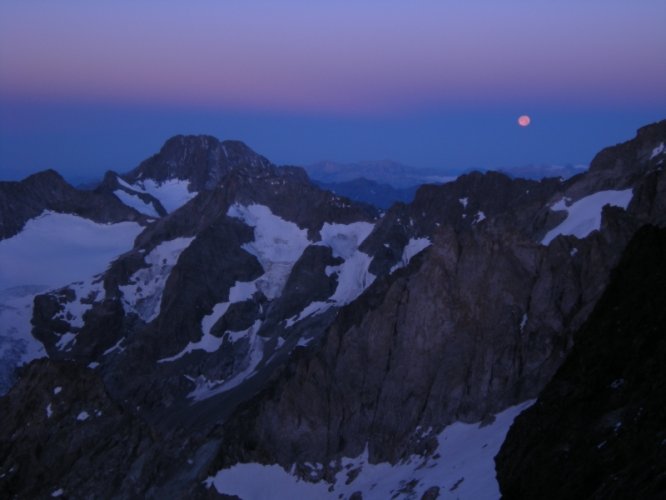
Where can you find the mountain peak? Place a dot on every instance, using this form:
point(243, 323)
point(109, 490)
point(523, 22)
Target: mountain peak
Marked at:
point(201, 159)
point(180, 142)
point(635, 156)
point(46, 176)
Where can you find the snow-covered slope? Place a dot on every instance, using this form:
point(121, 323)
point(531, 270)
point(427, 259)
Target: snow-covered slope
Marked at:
point(53, 250)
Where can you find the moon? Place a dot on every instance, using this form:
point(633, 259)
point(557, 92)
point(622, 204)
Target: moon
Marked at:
point(524, 120)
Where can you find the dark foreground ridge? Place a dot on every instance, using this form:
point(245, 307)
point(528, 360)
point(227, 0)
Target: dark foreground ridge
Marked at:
point(597, 429)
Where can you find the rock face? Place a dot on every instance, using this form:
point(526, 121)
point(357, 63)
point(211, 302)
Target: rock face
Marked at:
point(260, 318)
point(597, 429)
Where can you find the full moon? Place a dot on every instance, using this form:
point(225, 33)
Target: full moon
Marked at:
point(524, 120)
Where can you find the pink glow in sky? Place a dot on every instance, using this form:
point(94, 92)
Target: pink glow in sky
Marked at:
point(369, 56)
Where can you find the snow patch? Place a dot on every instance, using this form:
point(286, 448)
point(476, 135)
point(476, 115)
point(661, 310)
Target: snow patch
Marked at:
point(344, 239)
point(240, 292)
point(657, 151)
point(86, 293)
point(143, 294)
point(205, 388)
point(83, 416)
point(617, 383)
point(49, 411)
point(312, 309)
point(413, 247)
point(172, 193)
point(209, 320)
point(584, 215)
point(464, 466)
point(66, 341)
point(135, 202)
point(123, 183)
point(463, 202)
point(277, 244)
point(58, 493)
point(353, 278)
point(304, 342)
point(478, 217)
point(57, 390)
point(353, 274)
point(116, 347)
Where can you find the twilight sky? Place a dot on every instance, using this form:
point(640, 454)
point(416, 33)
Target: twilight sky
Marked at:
point(89, 86)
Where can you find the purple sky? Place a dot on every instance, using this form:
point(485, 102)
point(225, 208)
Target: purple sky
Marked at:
point(78, 75)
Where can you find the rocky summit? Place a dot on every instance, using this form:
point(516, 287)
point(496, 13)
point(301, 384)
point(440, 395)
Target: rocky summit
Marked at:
point(240, 331)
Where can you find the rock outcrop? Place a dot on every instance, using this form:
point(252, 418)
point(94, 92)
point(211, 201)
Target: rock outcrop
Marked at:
point(61, 432)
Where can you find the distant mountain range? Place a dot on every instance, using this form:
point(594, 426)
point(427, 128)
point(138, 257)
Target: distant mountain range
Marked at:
point(388, 172)
point(544, 170)
point(211, 324)
point(382, 183)
point(371, 192)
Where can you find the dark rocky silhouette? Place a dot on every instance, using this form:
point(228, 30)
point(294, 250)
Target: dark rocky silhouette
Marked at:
point(597, 429)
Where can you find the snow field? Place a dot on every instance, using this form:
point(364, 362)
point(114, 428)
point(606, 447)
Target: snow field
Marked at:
point(56, 249)
point(413, 247)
